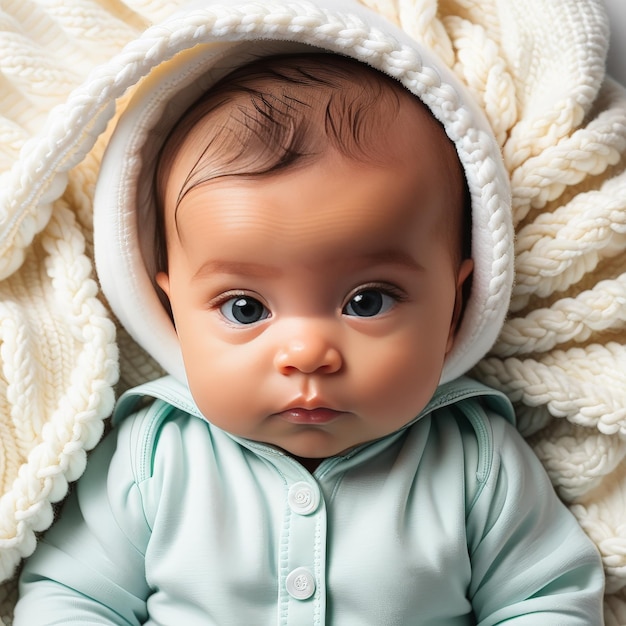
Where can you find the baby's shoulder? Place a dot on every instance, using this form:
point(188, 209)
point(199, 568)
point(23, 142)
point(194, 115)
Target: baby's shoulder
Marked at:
point(487, 441)
point(153, 432)
point(482, 416)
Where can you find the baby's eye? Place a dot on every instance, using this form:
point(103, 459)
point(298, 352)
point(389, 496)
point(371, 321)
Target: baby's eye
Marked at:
point(244, 310)
point(369, 302)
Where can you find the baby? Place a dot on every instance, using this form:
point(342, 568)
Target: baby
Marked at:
point(313, 248)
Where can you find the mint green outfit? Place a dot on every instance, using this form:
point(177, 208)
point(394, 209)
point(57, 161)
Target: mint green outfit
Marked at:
point(449, 521)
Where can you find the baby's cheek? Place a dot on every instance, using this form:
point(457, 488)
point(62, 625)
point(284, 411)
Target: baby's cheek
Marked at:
point(403, 381)
point(222, 381)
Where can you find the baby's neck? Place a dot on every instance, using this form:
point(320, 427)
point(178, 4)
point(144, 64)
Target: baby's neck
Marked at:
point(310, 464)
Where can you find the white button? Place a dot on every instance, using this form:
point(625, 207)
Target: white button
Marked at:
point(303, 498)
point(300, 583)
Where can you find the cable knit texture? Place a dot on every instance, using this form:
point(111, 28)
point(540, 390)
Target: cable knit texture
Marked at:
point(537, 70)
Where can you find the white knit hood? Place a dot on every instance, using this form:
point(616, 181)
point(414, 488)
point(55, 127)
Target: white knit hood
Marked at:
point(213, 38)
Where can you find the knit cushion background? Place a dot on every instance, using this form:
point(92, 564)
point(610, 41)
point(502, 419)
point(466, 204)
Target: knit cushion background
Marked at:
point(536, 68)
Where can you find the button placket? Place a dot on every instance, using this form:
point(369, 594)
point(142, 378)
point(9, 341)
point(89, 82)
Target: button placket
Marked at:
point(304, 553)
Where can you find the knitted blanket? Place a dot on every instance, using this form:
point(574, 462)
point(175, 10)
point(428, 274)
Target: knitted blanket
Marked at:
point(538, 70)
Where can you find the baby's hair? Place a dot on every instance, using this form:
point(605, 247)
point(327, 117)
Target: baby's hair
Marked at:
point(281, 112)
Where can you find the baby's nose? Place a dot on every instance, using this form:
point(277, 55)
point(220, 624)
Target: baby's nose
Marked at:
point(308, 353)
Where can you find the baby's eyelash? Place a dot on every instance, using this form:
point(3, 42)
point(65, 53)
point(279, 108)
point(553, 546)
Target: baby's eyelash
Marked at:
point(222, 298)
point(387, 288)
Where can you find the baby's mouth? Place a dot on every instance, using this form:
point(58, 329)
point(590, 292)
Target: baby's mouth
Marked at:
point(299, 415)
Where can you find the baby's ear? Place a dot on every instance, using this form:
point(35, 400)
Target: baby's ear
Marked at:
point(465, 271)
point(163, 281)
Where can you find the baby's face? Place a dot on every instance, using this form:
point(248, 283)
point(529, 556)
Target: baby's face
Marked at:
point(315, 306)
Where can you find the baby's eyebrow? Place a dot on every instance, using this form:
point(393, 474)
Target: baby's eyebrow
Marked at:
point(238, 268)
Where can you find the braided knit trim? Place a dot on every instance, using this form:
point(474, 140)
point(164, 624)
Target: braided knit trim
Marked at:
point(57, 393)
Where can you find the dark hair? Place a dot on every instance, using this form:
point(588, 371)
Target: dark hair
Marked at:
point(280, 112)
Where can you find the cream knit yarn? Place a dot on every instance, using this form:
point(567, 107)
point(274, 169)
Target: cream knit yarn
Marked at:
point(536, 68)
